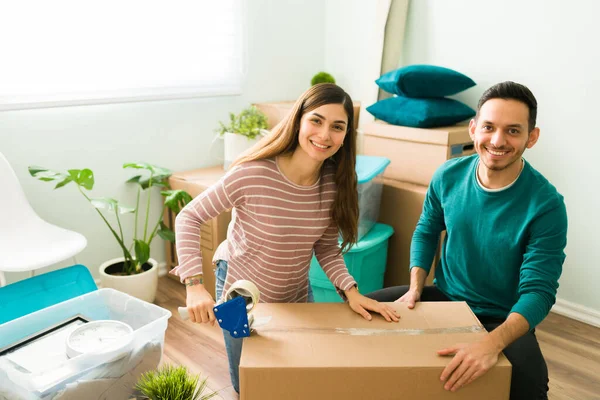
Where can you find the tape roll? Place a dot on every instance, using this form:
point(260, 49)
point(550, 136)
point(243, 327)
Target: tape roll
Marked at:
point(245, 289)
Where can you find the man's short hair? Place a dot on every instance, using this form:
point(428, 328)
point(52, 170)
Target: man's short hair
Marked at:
point(512, 91)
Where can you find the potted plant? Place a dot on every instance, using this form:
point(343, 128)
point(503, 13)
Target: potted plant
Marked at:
point(242, 132)
point(169, 383)
point(135, 273)
point(322, 77)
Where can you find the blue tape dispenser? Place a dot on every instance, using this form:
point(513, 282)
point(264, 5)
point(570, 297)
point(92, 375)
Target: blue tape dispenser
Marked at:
point(234, 313)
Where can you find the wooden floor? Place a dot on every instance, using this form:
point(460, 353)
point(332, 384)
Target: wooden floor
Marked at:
point(571, 349)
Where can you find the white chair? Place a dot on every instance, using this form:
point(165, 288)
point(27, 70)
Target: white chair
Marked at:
point(27, 242)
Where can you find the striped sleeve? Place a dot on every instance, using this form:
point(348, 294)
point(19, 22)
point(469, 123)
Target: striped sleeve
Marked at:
point(222, 196)
point(327, 251)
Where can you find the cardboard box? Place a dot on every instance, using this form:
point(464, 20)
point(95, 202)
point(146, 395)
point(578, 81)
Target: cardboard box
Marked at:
point(401, 207)
point(316, 351)
point(415, 153)
point(212, 233)
point(276, 111)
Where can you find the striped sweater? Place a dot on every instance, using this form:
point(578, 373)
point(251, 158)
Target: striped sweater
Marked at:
point(277, 226)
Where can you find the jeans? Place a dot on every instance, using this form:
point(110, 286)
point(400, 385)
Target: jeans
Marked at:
point(529, 371)
point(234, 345)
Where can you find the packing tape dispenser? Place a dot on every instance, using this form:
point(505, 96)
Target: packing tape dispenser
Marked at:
point(234, 313)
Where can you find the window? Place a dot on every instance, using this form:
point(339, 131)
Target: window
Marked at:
point(67, 52)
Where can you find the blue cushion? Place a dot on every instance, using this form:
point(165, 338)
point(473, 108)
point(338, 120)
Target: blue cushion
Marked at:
point(424, 81)
point(421, 113)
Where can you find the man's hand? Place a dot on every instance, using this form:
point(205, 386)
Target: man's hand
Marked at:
point(410, 297)
point(200, 305)
point(360, 304)
point(417, 282)
point(469, 363)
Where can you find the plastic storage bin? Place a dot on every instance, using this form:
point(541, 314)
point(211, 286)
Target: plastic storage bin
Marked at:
point(365, 261)
point(142, 349)
point(369, 170)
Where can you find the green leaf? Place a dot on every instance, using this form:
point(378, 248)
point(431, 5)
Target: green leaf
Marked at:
point(156, 170)
point(142, 251)
point(165, 233)
point(46, 175)
point(82, 177)
point(33, 170)
point(74, 173)
point(176, 199)
point(111, 205)
point(134, 179)
point(86, 178)
point(159, 175)
point(63, 182)
point(105, 203)
point(157, 180)
point(138, 166)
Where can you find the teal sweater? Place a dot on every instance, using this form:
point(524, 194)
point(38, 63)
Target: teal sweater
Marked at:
point(503, 251)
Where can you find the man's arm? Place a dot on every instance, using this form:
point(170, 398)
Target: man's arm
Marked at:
point(429, 227)
point(417, 282)
point(542, 265)
point(541, 268)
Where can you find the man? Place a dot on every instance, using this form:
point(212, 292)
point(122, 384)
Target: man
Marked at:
point(503, 253)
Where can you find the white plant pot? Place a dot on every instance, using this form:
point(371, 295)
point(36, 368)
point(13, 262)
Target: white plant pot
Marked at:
point(235, 145)
point(142, 286)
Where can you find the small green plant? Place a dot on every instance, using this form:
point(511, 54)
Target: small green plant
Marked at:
point(251, 122)
point(156, 178)
point(322, 77)
point(173, 383)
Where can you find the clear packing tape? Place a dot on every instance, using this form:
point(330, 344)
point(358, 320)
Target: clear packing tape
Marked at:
point(375, 332)
point(251, 295)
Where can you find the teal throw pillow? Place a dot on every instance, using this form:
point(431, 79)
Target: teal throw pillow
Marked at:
point(421, 113)
point(424, 81)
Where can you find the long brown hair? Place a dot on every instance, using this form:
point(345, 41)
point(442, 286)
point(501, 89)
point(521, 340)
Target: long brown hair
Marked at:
point(283, 139)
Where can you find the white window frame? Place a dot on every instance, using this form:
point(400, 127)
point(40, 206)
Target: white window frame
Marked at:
point(48, 100)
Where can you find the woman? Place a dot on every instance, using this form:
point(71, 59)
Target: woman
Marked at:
point(292, 194)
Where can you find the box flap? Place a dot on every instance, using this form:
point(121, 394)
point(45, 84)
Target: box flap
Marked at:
point(443, 136)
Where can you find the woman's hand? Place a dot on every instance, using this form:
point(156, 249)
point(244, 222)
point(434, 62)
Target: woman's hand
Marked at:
point(200, 305)
point(360, 304)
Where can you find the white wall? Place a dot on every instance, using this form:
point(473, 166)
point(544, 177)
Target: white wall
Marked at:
point(285, 49)
point(354, 33)
point(552, 47)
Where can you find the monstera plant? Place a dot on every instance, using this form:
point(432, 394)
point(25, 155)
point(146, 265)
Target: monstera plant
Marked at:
point(135, 272)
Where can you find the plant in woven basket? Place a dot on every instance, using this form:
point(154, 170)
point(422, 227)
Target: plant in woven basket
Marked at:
point(173, 383)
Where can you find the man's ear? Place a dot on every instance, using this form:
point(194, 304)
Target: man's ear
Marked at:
point(534, 135)
point(472, 126)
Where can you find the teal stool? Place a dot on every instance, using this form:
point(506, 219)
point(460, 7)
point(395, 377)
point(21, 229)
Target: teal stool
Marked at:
point(33, 294)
